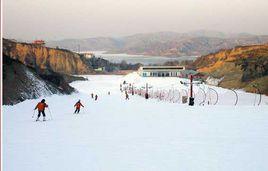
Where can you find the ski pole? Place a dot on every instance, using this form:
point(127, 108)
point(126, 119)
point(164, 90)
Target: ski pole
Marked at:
point(50, 114)
point(33, 114)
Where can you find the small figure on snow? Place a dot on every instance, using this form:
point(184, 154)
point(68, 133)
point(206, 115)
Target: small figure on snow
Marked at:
point(146, 96)
point(78, 106)
point(92, 95)
point(127, 96)
point(96, 97)
point(109, 93)
point(41, 109)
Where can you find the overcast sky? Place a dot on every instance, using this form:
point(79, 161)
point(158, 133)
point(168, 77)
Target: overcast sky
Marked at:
point(59, 19)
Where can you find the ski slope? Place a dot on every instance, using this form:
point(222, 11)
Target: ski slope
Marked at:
point(113, 134)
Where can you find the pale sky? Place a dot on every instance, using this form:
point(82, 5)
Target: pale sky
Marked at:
point(60, 19)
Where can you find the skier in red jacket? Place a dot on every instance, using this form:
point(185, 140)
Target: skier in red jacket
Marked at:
point(78, 106)
point(41, 109)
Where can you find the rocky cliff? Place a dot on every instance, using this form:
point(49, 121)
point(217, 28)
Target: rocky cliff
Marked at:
point(21, 82)
point(44, 58)
point(243, 67)
point(33, 71)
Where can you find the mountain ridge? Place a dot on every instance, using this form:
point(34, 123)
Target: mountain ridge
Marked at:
point(196, 43)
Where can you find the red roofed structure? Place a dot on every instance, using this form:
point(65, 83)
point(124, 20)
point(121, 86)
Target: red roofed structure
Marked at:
point(39, 42)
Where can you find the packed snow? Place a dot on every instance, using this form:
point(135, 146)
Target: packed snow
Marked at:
point(114, 134)
point(172, 89)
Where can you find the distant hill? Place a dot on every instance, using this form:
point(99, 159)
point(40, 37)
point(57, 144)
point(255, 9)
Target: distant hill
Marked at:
point(242, 67)
point(194, 43)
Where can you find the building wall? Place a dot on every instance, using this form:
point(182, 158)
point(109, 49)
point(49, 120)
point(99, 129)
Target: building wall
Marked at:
point(160, 73)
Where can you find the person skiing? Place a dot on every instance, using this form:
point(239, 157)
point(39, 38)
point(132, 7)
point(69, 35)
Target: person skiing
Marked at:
point(96, 97)
point(92, 95)
point(78, 106)
point(127, 97)
point(41, 109)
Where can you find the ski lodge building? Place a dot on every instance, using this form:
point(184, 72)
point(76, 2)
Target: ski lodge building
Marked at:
point(160, 71)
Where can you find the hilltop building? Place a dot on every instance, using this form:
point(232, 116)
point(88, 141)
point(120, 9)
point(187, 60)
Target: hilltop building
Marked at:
point(39, 42)
point(87, 54)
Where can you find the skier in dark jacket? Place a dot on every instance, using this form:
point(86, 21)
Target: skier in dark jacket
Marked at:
point(41, 109)
point(96, 97)
point(92, 95)
point(78, 106)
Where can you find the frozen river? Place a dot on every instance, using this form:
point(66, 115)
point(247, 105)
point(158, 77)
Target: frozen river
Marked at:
point(117, 58)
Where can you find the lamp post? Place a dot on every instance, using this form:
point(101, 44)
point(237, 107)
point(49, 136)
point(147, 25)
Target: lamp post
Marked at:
point(146, 93)
point(191, 99)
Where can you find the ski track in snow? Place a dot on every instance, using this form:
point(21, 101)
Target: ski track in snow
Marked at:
point(112, 134)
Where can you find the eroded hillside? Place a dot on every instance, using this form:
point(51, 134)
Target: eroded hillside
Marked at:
point(33, 71)
point(242, 67)
point(43, 58)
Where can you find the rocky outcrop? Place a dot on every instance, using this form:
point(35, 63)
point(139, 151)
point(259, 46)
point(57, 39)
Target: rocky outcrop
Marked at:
point(44, 58)
point(243, 67)
point(33, 71)
point(211, 62)
point(21, 82)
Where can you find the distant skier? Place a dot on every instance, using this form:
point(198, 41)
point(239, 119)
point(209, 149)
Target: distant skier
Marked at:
point(109, 93)
point(96, 97)
point(127, 96)
point(41, 109)
point(78, 106)
point(146, 96)
point(92, 95)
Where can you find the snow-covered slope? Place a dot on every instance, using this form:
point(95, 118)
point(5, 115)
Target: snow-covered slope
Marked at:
point(21, 83)
point(40, 87)
point(113, 134)
point(172, 90)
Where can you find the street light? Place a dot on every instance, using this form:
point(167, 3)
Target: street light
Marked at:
point(191, 98)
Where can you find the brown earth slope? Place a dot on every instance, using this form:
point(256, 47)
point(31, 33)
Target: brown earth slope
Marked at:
point(43, 58)
point(33, 71)
point(242, 67)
